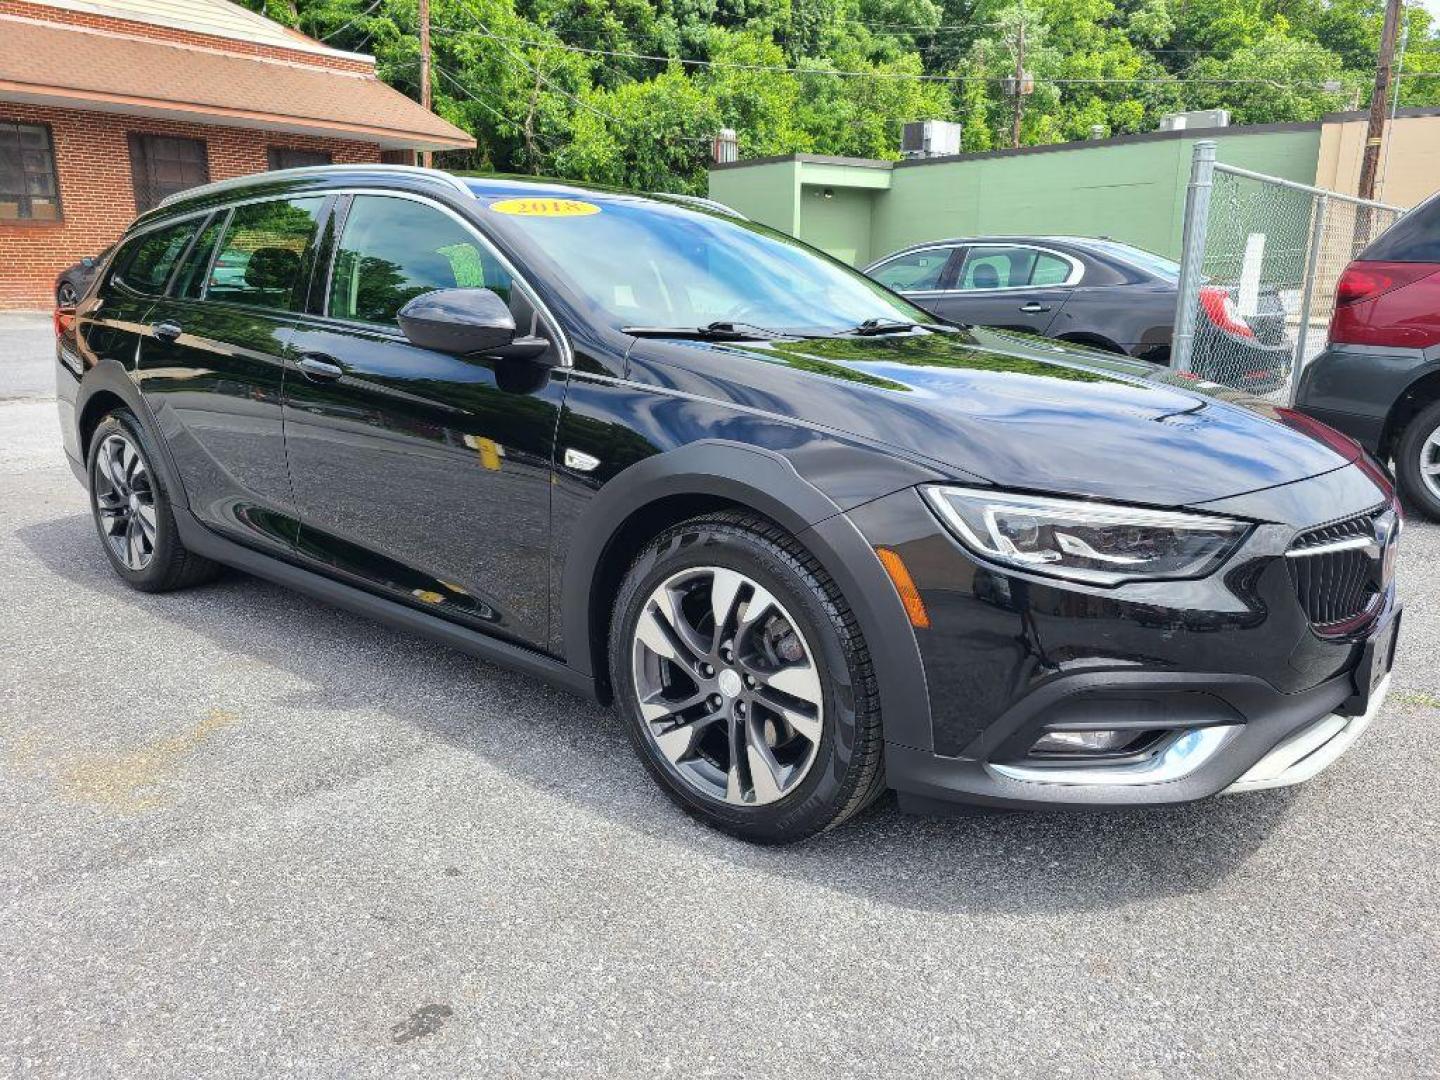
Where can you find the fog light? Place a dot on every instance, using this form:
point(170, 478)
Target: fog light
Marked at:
point(1082, 742)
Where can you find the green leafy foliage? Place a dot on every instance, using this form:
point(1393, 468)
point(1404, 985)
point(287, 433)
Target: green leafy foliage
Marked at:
point(630, 92)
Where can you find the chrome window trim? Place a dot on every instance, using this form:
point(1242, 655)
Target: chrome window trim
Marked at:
point(567, 354)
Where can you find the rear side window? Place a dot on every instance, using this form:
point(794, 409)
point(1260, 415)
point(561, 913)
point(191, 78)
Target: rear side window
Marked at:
point(997, 268)
point(263, 254)
point(393, 250)
point(1414, 238)
point(145, 263)
point(918, 270)
point(190, 281)
point(1049, 270)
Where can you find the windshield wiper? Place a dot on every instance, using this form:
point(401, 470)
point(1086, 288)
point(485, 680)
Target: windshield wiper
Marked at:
point(721, 330)
point(876, 327)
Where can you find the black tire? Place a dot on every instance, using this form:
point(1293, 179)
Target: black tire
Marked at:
point(169, 564)
point(1409, 452)
point(846, 773)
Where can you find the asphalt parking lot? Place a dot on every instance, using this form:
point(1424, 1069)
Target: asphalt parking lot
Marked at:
point(243, 834)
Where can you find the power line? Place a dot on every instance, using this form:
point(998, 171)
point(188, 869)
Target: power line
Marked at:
point(351, 21)
point(893, 75)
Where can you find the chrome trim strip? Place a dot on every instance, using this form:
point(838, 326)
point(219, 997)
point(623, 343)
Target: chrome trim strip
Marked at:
point(1311, 750)
point(1352, 543)
point(1177, 761)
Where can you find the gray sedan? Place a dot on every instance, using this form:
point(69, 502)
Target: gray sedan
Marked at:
point(1095, 292)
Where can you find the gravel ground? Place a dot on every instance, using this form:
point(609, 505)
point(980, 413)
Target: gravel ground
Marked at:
point(242, 834)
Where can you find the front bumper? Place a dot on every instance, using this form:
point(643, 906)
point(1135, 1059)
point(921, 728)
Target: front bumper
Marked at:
point(1225, 676)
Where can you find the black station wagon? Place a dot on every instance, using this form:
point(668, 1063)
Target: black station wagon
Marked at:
point(811, 541)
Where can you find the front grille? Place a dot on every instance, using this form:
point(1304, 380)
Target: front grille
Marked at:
point(1336, 583)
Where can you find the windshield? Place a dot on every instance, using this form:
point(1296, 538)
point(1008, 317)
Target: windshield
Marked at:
point(1158, 265)
point(652, 265)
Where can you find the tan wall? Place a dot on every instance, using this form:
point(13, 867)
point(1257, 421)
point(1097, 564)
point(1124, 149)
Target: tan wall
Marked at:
point(97, 195)
point(1413, 171)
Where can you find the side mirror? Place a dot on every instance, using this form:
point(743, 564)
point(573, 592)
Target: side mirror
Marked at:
point(463, 321)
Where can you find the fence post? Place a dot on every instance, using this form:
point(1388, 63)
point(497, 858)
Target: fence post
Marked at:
point(1307, 299)
point(1192, 255)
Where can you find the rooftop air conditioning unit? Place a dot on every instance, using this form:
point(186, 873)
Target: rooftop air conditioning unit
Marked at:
point(929, 138)
point(1200, 118)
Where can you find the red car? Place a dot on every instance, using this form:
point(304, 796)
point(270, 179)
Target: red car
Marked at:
point(1378, 379)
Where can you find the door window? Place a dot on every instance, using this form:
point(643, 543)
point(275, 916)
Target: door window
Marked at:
point(917, 271)
point(393, 250)
point(1003, 267)
point(146, 263)
point(263, 254)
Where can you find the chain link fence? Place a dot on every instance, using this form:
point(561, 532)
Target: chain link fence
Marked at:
point(1261, 259)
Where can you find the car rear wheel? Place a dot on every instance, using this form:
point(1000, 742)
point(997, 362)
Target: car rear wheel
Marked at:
point(745, 682)
point(132, 511)
point(1417, 461)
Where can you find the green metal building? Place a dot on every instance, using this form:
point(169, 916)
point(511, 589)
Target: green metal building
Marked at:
point(1129, 188)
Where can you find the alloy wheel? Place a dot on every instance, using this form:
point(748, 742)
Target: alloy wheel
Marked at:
point(66, 296)
point(125, 501)
point(728, 687)
point(1430, 463)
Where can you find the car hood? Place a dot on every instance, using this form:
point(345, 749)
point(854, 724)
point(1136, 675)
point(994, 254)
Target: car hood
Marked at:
point(1020, 412)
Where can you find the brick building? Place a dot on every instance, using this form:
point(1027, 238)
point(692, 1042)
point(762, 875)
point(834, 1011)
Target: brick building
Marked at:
point(107, 106)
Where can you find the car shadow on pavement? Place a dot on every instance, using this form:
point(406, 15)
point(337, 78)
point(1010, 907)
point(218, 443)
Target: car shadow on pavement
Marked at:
point(562, 745)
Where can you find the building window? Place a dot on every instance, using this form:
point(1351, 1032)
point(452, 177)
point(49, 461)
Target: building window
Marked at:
point(287, 157)
point(29, 189)
point(162, 165)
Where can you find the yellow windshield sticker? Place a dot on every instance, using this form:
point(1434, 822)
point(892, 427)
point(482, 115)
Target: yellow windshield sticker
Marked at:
point(545, 207)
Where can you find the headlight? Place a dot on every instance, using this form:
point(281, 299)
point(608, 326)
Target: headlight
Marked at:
point(1085, 541)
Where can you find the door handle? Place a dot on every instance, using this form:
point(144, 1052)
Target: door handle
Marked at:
point(1033, 308)
point(167, 331)
point(317, 367)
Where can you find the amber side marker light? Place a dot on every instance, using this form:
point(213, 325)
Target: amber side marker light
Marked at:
point(905, 586)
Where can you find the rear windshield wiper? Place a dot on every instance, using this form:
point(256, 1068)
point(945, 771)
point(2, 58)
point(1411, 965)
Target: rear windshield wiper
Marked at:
point(722, 330)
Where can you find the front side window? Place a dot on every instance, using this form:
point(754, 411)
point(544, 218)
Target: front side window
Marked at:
point(263, 253)
point(393, 250)
point(161, 165)
point(647, 264)
point(917, 271)
point(29, 188)
point(145, 264)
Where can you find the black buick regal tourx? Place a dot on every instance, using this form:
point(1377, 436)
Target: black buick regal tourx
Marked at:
point(811, 541)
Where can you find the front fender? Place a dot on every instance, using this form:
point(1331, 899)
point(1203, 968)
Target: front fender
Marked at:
point(768, 483)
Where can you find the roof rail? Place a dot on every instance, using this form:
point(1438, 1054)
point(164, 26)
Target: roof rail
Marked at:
point(435, 175)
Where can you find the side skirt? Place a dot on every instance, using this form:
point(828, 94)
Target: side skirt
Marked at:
point(213, 546)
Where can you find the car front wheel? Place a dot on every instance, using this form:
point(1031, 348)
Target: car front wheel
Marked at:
point(745, 682)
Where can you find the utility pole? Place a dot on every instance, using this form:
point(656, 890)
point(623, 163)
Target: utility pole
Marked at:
point(1019, 82)
point(425, 156)
point(1379, 99)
